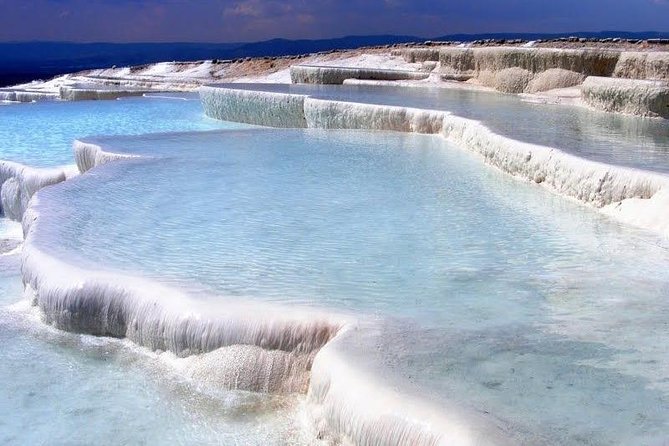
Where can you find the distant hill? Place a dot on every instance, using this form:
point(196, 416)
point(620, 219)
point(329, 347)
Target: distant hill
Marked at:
point(25, 61)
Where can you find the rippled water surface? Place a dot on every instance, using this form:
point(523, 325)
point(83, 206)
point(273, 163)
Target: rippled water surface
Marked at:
point(491, 292)
point(608, 137)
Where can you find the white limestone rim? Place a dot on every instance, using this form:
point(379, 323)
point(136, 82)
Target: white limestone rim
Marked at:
point(270, 109)
point(74, 93)
point(353, 405)
point(45, 272)
point(632, 196)
point(88, 155)
point(18, 183)
point(325, 74)
point(357, 69)
point(105, 303)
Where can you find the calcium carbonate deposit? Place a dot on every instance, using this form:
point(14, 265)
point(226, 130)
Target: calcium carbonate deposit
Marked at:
point(342, 264)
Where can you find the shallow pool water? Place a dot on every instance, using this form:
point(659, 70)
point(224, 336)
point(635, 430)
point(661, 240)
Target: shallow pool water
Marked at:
point(607, 137)
point(41, 134)
point(488, 292)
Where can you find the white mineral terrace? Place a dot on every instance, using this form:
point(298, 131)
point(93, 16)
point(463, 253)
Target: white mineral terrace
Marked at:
point(19, 184)
point(630, 96)
point(310, 74)
point(554, 74)
point(244, 345)
point(280, 348)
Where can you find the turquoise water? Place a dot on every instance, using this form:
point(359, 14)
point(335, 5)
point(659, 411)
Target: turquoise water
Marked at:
point(40, 134)
point(489, 292)
point(607, 137)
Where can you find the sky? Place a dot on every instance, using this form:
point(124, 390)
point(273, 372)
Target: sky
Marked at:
point(254, 20)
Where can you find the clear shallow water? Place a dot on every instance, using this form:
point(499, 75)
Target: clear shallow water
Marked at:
point(40, 134)
point(491, 292)
point(62, 388)
point(607, 137)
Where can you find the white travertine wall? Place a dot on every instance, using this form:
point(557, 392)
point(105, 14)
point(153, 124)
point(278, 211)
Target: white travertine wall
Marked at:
point(73, 93)
point(508, 80)
point(630, 96)
point(308, 74)
point(412, 55)
point(547, 68)
point(26, 96)
point(69, 93)
point(88, 155)
point(463, 63)
point(254, 107)
point(18, 183)
point(457, 64)
point(327, 114)
point(651, 65)
point(554, 78)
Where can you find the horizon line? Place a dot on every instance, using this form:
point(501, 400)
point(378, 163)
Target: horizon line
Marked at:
point(177, 42)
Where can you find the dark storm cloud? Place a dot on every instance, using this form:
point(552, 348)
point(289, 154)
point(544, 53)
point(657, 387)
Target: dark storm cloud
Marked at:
point(244, 20)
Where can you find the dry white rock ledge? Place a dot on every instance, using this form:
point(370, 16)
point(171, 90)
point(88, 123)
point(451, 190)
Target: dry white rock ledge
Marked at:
point(630, 96)
point(89, 92)
point(311, 74)
point(532, 70)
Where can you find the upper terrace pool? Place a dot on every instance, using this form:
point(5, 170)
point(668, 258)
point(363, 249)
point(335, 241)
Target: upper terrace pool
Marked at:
point(40, 134)
point(474, 291)
point(607, 137)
